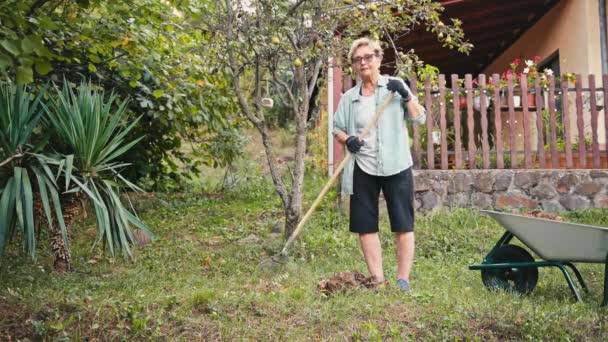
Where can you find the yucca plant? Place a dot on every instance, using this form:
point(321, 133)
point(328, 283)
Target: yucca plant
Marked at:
point(28, 188)
point(91, 130)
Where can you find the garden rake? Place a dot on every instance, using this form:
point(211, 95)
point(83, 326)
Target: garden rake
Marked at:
point(281, 257)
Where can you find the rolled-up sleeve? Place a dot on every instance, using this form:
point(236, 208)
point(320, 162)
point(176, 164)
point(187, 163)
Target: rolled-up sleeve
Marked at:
point(421, 118)
point(340, 117)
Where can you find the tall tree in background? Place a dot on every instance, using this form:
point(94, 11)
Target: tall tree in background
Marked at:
point(289, 43)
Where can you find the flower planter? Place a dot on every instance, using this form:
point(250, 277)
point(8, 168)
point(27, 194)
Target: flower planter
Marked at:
point(531, 100)
point(462, 102)
point(517, 101)
point(477, 102)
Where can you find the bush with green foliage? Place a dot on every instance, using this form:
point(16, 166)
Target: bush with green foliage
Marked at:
point(153, 52)
point(89, 133)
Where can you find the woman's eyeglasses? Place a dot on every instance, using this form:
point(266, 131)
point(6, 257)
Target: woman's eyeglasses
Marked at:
point(367, 58)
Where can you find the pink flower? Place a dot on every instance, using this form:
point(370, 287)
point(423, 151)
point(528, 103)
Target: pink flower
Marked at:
point(536, 59)
point(516, 61)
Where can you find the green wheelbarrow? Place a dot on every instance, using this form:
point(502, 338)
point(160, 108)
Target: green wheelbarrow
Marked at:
point(560, 244)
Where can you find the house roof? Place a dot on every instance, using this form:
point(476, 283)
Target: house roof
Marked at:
point(491, 26)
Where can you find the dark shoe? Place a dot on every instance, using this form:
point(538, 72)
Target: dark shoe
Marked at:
point(403, 285)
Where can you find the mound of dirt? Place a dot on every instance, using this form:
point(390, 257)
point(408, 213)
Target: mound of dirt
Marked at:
point(543, 215)
point(345, 280)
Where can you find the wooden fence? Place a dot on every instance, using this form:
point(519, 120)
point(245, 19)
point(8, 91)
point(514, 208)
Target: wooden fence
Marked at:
point(477, 124)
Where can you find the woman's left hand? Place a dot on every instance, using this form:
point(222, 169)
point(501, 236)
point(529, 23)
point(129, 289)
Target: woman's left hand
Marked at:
point(399, 87)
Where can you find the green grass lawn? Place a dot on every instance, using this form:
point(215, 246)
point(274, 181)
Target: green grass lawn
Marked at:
point(203, 279)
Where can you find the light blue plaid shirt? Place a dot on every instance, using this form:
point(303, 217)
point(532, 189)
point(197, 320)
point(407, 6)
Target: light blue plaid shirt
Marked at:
point(392, 139)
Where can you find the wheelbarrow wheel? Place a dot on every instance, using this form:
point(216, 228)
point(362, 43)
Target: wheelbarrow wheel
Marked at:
point(519, 279)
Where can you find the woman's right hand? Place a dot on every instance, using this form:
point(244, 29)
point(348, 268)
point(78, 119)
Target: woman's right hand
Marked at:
point(353, 144)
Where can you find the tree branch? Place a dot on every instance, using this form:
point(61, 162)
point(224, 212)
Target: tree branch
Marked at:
point(8, 160)
point(36, 5)
point(294, 8)
point(315, 76)
point(287, 89)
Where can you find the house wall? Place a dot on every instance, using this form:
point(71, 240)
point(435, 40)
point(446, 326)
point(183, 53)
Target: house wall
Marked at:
point(572, 28)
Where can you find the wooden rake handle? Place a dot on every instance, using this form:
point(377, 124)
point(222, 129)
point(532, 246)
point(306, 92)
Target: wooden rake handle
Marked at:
point(335, 176)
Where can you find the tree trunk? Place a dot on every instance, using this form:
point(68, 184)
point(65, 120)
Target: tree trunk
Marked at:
point(292, 218)
point(71, 208)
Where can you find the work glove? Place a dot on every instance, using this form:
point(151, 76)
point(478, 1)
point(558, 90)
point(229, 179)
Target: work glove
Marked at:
point(353, 144)
point(398, 86)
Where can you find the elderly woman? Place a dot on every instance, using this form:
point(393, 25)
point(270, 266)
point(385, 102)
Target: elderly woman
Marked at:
point(382, 159)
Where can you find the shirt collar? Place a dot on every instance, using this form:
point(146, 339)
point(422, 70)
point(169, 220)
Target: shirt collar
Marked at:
point(382, 82)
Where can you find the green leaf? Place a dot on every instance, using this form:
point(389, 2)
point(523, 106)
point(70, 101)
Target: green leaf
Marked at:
point(94, 58)
point(46, 23)
point(33, 44)
point(18, 198)
point(133, 83)
point(5, 61)
point(69, 164)
point(10, 47)
point(157, 93)
point(43, 67)
point(25, 74)
point(28, 199)
point(7, 214)
point(92, 67)
point(43, 194)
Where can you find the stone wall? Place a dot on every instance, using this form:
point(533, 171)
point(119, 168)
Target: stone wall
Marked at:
point(549, 190)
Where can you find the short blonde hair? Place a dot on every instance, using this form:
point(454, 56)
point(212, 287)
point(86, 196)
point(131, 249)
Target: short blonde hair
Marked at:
point(373, 44)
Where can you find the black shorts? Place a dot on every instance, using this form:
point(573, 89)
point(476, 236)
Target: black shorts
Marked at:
point(398, 192)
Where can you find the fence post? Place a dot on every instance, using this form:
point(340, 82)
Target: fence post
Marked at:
point(415, 129)
point(580, 123)
point(595, 145)
point(468, 84)
point(512, 127)
point(523, 83)
point(483, 109)
point(566, 122)
point(552, 110)
point(428, 102)
point(540, 128)
point(442, 123)
point(457, 133)
point(498, 122)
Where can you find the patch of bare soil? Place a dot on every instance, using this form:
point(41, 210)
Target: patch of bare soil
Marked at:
point(346, 280)
point(14, 323)
point(540, 214)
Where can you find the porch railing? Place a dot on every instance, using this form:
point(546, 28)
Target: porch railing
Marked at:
point(481, 125)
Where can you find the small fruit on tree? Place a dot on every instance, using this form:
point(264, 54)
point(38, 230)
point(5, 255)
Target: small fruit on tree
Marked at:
point(275, 40)
point(297, 63)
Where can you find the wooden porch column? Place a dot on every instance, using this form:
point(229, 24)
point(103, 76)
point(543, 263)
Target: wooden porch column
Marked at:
point(337, 92)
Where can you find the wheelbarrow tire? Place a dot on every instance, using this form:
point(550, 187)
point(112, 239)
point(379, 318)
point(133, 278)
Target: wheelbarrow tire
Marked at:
point(519, 279)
